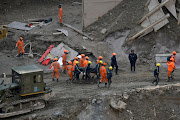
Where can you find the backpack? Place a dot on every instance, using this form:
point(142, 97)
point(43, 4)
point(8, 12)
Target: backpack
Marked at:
point(168, 58)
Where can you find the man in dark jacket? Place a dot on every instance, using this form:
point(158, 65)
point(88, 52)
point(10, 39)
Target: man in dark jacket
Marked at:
point(97, 69)
point(114, 62)
point(109, 75)
point(132, 59)
point(156, 74)
point(77, 70)
point(88, 70)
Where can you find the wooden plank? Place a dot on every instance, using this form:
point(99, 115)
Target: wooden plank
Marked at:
point(171, 7)
point(75, 29)
point(149, 27)
point(153, 11)
point(146, 4)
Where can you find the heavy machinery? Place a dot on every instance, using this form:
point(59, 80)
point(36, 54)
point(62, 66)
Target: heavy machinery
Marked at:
point(26, 93)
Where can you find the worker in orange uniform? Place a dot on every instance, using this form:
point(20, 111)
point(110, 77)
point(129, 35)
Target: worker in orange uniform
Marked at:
point(86, 61)
point(56, 68)
point(99, 59)
point(81, 60)
point(103, 73)
point(74, 62)
point(64, 61)
point(171, 68)
point(20, 46)
point(70, 71)
point(173, 56)
point(60, 14)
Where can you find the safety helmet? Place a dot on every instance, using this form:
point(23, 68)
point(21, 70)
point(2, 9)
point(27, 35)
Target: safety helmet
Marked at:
point(110, 68)
point(158, 64)
point(65, 51)
point(174, 52)
point(55, 59)
point(171, 59)
point(76, 58)
point(21, 38)
point(100, 57)
point(60, 5)
point(70, 62)
point(89, 62)
point(104, 64)
point(77, 62)
point(114, 54)
point(101, 62)
point(87, 57)
point(82, 55)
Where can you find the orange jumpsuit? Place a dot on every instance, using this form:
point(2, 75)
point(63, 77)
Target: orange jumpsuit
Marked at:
point(64, 61)
point(74, 64)
point(60, 15)
point(85, 63)
point(81, 62)
point(173, 56)
point(70, 69)
point(20, 45)
point(171, 67)
point(56, 66)
point(103, 73)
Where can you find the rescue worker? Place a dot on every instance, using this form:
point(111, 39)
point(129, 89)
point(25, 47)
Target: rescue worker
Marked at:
point(74, 62)
point(56, 68)
point(132, 59)
point(60, 14)
point(64, 56)
point(103, 73)
point(156, 74)
point(77, 70)
point(20, 46)
point(97, 69)
point(114, 62)
point(70, 71)
point(81, 60)
point(173, 56)
point(171, 68)
point(86, 61)
point(99, 59)
point(88, 70)
point(109, 75)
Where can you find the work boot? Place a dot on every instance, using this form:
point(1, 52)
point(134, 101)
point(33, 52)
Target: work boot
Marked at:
point(156, 84)
point(57, 80)
point(18, 55)
point(52, 79)
point(105, 84)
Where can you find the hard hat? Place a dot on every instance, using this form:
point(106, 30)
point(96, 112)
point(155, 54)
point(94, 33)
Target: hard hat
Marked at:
point(114, 54)
point(158, 64)
point(101, 62)
point(174, 52)
point(87, 57)
point(20, 38)
point(82, 55)
point(55, 59)
point(104, 64)
point(77, 62)
point(110, 68)
point(100, 57)
point(70, 62)
point(89, 62)
point(171, 59)
point(60, 5)
point(76, 58)
point(65, 51)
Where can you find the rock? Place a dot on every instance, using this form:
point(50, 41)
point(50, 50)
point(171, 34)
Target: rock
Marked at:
point(58, 113)
point(85, 38)
point(103, 31)
point(120, 105)
point(94, 101)
point(125, 96)
point(33, 116)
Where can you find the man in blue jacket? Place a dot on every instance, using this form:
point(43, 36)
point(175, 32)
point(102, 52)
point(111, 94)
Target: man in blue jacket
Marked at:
point(114, 62)
point(132, 59)
point(109, 75)
point(156, 74)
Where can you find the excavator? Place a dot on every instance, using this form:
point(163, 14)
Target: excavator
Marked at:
point(27, 92)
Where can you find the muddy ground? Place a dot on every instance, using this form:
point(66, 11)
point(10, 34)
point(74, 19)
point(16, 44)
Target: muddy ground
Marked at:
point(75, 101)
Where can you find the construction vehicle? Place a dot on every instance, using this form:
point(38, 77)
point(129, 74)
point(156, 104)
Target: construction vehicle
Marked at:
point(26, 93)
point(3, 31)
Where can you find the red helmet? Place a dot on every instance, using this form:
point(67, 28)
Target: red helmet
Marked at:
point(100, 57)
point(55, 59)
point(87, 58)
point(70, 62)
point(104, 64)
point(82, 55)
point(174, 52)
point(65, 51)
point(20, 38)
point(114, 54)
point(76, 58)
